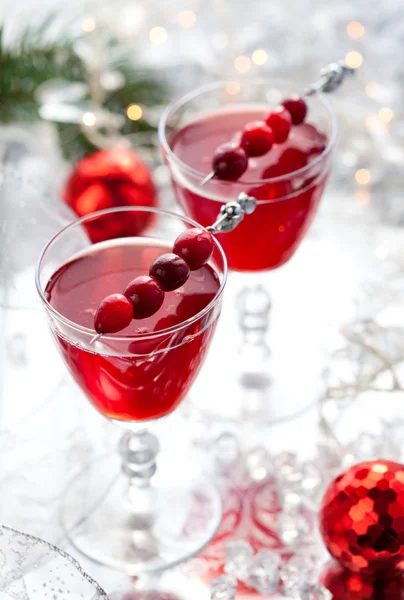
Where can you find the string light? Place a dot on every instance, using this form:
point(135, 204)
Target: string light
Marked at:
point(363, 176)
point(349, 459)
point(373, 123)
point(372, 89)
point(259, 56)
point(89, 25)
point(242, 64)
point(134, 112)
point(362, 196)
point(386, 114)
point(354, 59)
point(233, 88)
point(355, 30)
point(186, 18)
point(158, 35)
point(349, 159)
point(89, 119)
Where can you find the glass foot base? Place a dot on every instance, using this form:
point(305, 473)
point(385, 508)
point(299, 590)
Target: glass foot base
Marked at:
point(266, 377)
point(171, 585)
point(104, 525)
point(276, 394)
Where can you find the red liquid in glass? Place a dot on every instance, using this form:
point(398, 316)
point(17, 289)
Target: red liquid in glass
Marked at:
point(269, 237)
point(142, 378)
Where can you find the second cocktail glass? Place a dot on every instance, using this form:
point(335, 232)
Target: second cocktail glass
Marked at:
point(287, 182)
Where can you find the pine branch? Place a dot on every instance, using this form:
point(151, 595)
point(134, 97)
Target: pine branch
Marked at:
point(27, 66)
point(35, 60)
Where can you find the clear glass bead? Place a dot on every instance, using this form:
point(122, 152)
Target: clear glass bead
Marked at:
point(313, 591)
point(258, 463)
point(264, 573)
point(239, 559)
point(293, 527)
point(312, 480)
point(366, 447)
point(299, 571)
point(227, 448)
point(286, 469)
point(223, 588)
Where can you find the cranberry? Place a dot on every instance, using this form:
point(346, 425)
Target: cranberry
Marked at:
point(312, 141)
point(293, 159)
point(297, 108)
point(257, 138)
point(195, 246)
point(192, 305)
point(229, 161)
point(145, 295)
point(171, 271)
point(166, 322)
point(114, 313)
point(280, 121)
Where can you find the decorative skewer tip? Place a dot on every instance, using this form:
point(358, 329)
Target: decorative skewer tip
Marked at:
point(208, 178)
point(95, 338)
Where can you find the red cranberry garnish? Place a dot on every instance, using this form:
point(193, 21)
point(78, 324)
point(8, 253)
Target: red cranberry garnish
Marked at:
point(145, 295)
point(166, 322)
point(313, 142)
point(280, 121)
point(170, 270)
point(297, 108)
point(195, 246)
point(293, 159)
point(114, 313)
point(257, 138)
point(229, 161)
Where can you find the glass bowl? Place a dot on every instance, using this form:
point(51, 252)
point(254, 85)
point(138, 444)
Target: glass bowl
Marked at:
point(32, 569)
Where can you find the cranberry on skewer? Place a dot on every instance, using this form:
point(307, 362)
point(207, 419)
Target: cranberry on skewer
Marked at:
point(280, 121)
point(114, 314)
point(171, 271)
point(257, 138)
point(144, 295)
point(293, 109)
point(229, 162)
point(297, 108)
point(195, 246)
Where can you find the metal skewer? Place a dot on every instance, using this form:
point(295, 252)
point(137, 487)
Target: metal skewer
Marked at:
point(331, 77)
point(208, 178)
point(230, 215)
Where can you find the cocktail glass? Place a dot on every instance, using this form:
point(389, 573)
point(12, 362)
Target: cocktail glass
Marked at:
point(127, 515)
point(288, 191)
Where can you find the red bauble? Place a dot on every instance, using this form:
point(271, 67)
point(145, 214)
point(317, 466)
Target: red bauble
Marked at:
point(345, 585)
point(362, 518)
point(107, 179)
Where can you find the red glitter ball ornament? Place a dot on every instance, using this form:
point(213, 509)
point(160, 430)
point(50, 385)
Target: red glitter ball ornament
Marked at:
point(345, 585)
point(362, 518)
point(107, 179)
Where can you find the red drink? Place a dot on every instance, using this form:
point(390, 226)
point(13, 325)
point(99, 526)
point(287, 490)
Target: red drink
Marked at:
point(291, 178)
point(143, 372)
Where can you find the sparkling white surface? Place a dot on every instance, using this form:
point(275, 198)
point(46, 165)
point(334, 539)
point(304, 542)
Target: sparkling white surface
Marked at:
point(349, 266)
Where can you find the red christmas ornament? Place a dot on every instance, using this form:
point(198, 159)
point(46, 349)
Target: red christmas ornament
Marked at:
point(107, 179)
point(345, 585)
point(362, 518)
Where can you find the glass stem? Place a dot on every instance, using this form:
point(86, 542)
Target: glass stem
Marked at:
point(253, 312)
point(139, 450)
